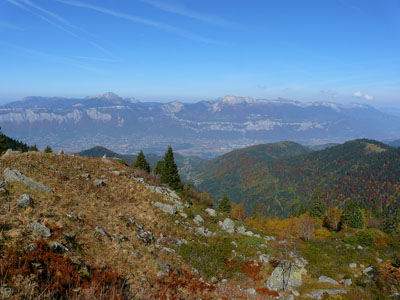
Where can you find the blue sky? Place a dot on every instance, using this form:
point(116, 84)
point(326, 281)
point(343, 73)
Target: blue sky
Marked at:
point(163, 50)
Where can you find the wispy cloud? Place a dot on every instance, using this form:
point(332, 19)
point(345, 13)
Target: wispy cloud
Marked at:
point(4, 24)
point(140, 20)
point(262, 86)
point(361, 95)
point(55, 58)
point(183, 11)
point(101, 59)
point(56, 21)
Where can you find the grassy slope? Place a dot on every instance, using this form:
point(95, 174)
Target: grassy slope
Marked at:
point(364, 170)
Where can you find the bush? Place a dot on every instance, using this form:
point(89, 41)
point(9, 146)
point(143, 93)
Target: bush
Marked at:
point(48, 150)
point(321, 233)
point(364, 238)
point(210, 259)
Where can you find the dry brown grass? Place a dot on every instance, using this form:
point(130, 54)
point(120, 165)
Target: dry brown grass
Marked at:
point(94, 206)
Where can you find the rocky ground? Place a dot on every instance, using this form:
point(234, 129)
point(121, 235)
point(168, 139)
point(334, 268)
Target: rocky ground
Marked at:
point(101, 215)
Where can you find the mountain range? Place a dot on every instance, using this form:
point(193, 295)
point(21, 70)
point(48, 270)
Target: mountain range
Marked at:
point(206, 128)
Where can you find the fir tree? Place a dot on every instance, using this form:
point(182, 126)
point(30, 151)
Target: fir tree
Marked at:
point(168, 170)
point(48, 150)
point(141, 162)
point(318, 208)
point(33, 148)
point(357, 219)
point(224, 204)
point(159, 168)
point(389, 225)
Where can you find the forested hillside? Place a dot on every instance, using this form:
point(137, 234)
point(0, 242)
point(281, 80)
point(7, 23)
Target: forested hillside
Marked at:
point(9, 143)
point(363, 170)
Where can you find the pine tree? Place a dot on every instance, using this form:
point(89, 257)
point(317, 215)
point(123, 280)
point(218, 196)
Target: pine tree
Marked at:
point(48, 150)
point(168, 170)
point(389, 225)
point(33, 148)
point(159, 168)
point(318, 208)
point(224, 204)
point(141, 162)
point(357, 219)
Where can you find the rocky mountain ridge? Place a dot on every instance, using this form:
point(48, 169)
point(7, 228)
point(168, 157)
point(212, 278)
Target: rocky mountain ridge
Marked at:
point(206, 128)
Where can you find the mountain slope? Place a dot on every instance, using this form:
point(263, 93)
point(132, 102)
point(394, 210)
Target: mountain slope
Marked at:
point(206, 128)
point(364, 170)
point(395, 143)
point(186, 164)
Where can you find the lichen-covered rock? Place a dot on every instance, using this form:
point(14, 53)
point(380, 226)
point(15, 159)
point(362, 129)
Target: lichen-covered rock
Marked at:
point(98, 183)
point(285, 276)
point(203, 231)
point(198, 220)
point(40, 229)
point(146, 237)
point(25, 200)
point(228, 225)
point(169, 209)
point(12, 175)
point(318, 293)
point(326, 279)
point(57, 247)
point(211, 212)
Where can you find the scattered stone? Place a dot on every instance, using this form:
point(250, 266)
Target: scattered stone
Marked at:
point(234, 244)
point(228, 225)
point(57, 247)
point(346, 282)
point(362, 266)
point(198, 220)
point(263, 258)
point(203, 231)
point(367, 270)
point(295, 293)
point(77, 167)
point(183, 215)
point(286, 269)
point(169, 250)
point(360, 247)
point(146, 237)
point(318, 293)
point(269, 238)
point(211, 212)
point(169, 209)
point(326, 279)
point(30, 247)
point(116, 173)
point(161, 267)
point(120, 237)
point(11, 175)
point(6, 292)
point(41, 229)
point(86, 176)
point(24, 201)
point(224, 280)
point(290, 297)
point(214, 279)
point(134, 222)
point(136, 254)
point(251, 291)
point(101, 231)
point(352, 265)
point(99, 183)
point(72, 216)
point(104, 159)
point(379, 260)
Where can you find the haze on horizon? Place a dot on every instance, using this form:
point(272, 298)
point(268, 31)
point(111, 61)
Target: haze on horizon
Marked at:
point(340, 50)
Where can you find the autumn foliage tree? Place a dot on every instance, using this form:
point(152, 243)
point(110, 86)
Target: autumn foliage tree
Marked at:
point(333, 217)
point(238, 212)
point(307, 227)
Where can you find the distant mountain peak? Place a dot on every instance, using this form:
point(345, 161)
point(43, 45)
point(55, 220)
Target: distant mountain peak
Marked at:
point(107, 96)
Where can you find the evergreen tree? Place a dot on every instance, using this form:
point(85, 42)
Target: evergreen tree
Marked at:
point(357, 219)
point(159, 168)
point(225, 204)
point(48, 150)
point(168, 170)
point(389, 225)
point(318, 208)
point(141, 162)
point(33, 148)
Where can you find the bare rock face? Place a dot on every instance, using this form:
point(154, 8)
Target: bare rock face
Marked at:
point(41, 229)
point(318, 293)
point(326, 279)
point(12, 175)
point(287, 275)
point(25, 200)
point(228, 225)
